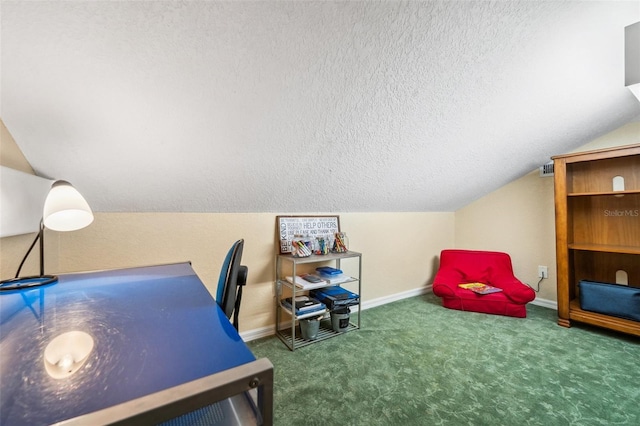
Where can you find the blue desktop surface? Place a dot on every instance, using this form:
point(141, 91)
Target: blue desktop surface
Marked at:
point(152, 328)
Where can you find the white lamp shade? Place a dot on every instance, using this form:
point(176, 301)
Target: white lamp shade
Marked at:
point(65, 209)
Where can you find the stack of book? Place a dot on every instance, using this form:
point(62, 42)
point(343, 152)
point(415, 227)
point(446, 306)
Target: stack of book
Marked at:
point(332, 276)
point(304, 306)
point(336, 297)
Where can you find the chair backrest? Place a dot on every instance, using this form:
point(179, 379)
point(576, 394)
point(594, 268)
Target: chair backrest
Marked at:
point(233, 277)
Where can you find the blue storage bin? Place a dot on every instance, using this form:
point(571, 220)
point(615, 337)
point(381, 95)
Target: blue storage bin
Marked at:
point(610, 299)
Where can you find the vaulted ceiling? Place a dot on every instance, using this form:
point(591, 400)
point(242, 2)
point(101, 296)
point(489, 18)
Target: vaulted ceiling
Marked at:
point(307, 106)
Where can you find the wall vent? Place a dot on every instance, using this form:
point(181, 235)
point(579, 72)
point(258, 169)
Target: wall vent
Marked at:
point(546, 169)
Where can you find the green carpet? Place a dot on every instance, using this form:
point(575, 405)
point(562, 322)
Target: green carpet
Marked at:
point(417, 363)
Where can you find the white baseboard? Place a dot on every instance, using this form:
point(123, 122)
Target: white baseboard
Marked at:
point(258, 333)
point(270, 331)
point(394, 297)
point(545, 303)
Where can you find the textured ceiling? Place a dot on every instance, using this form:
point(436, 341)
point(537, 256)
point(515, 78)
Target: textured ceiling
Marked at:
point(307, 106)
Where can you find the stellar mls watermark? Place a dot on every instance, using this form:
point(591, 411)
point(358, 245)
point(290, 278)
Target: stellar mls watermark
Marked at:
point(622, 213)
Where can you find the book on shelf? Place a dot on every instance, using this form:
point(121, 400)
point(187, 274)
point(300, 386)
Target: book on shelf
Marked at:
point(304, 305)
point(480, 288)
point(336, 279)
point(312, 315)
point(313, 279)
point(336, 296)
point(304, 284)
point(332, 275)
point(328, 270)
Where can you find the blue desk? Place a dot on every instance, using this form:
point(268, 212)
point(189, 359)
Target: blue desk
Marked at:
point(161, 348)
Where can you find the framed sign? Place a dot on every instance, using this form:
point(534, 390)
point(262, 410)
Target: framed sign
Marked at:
point(314, 226)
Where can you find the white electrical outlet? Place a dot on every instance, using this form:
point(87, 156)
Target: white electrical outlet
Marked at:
point(543, 272)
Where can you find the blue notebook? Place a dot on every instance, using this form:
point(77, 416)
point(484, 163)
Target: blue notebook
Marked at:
point(327, 270)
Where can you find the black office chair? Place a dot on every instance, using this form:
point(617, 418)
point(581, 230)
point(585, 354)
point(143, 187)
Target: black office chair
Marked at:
point(233, 277)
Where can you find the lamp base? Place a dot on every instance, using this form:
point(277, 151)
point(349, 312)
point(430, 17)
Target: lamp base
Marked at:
point(27, 282)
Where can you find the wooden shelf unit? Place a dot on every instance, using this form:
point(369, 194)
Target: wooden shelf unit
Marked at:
point(597, 228)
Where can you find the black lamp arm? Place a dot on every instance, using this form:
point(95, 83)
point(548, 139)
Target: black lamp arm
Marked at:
point(40, 236)
point(31, 281)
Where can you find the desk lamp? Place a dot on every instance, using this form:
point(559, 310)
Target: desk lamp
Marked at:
point(64, 210)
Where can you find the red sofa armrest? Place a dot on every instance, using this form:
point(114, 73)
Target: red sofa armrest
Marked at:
point(446, 281)
point(514, 289)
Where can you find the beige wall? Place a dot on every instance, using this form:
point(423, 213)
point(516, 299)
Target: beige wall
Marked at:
point(519, 219)
point(399, 249)
point(10, 154)
point(13, 248)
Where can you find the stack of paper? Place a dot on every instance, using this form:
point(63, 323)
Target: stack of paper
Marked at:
point(306, 285)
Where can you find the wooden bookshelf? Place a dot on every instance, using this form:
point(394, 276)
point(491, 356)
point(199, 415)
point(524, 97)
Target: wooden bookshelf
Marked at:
point(597, 201)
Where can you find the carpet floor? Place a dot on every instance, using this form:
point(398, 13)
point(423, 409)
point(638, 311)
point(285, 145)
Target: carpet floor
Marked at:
point(414, 362)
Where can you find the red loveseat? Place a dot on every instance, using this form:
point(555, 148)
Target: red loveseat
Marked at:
point(488, 267)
